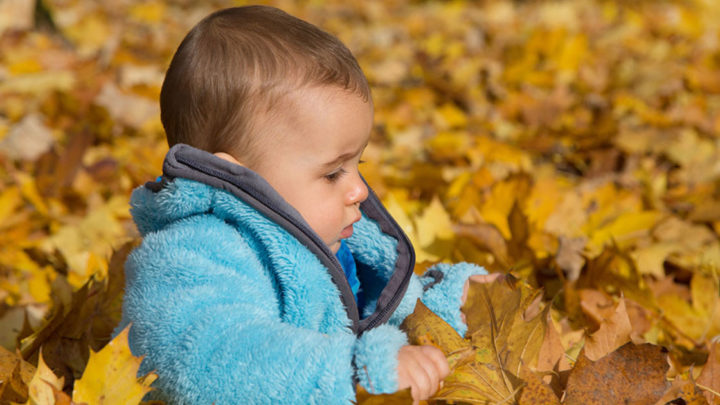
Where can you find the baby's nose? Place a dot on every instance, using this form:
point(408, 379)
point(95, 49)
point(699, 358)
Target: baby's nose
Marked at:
point(358, 193)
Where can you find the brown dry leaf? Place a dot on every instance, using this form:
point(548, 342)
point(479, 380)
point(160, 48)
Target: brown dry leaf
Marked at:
point(363, 397)
point(506, 328)
point(423, 326)
point(499, 318)
point(486, 237)
point(536, 392)
point(499, 298)
point(479, 383)
point(12, 387)
point(636, 374)
point(641, 319)
point(454, 359)
point(85, 322)
point(709, 378)
point(683, 388)
point(692, 395)
point(15, 376)
point(615, 327)
point(552, 349)
point(614, 271)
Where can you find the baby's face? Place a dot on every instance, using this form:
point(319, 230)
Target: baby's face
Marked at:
point(312, 159)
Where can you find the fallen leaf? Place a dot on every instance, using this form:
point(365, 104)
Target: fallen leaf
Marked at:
point(636, 374)
point(683, 388)
point(552, 349)
point(15, 376)
point(709, 378)
point(614, 332)
point(486, 237)
point(85, 321)
point(505, 328)
point(111, 375)
point(28, 139)
point(45, 383)
point(569, 256)
point(624, 229)
point(536, 392)
point(479, 383)
point(434, 223)
point(650, 259)
point(403, 397)
point(423, 326)
point(699, 318)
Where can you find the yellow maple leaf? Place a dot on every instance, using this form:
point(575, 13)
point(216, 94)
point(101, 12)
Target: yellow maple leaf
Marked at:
point(111, 376)
point(624, 228)
point(434, 223)
point(42, 387)
point(649, 259)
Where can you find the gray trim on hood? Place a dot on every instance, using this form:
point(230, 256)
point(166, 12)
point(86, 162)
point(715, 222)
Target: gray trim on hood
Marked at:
point(194, 164)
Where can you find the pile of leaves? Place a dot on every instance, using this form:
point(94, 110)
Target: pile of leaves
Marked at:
point(571, 144)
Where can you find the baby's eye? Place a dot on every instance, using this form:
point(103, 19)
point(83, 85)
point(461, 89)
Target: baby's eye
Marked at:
point(335, 176)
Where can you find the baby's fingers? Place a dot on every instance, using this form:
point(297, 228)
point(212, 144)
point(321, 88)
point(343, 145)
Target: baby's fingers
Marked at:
point(421, 386)
point(486, 278)
point(422, 368)
point(439, 361)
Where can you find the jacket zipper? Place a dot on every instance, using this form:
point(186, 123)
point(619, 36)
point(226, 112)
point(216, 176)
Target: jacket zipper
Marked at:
point(396, 298)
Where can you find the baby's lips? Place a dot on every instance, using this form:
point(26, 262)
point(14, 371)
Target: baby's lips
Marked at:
point(347, 232)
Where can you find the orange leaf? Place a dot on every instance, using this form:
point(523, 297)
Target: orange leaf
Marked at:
point(636, 374)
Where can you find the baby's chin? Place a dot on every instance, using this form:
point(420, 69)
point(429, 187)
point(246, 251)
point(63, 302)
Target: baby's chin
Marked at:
point(334, 247)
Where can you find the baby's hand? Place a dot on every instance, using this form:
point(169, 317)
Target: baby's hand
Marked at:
point(479, 278)
point(421, 368)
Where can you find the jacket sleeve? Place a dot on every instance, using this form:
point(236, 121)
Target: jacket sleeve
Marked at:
point(440, 289)
point(215, 334)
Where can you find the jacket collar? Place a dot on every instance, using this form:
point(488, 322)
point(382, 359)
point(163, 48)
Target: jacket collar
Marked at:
point(187, 162)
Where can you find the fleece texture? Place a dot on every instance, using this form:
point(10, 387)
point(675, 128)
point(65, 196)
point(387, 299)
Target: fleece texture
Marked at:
point(227, 306)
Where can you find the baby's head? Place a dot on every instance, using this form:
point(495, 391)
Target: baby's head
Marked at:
point(278, 95)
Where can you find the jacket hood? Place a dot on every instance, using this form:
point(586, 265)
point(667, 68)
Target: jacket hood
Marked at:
point(160, 203)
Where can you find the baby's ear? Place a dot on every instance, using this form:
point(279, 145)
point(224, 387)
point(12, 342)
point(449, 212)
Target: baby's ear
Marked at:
point(228, 157)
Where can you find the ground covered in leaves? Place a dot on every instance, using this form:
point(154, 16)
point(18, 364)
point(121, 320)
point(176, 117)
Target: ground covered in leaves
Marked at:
point(574, 145)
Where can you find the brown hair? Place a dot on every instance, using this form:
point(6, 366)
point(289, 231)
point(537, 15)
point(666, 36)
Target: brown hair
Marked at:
point(235, 64)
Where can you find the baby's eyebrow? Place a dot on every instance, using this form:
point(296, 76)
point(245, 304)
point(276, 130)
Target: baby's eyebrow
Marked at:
point(344, 157)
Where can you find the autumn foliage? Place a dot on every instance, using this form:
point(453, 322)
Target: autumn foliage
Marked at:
point(572, 145)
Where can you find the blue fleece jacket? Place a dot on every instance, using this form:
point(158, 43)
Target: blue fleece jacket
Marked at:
point(229, 304)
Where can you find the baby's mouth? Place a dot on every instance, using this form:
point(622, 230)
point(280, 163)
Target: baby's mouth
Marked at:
point(347, 232)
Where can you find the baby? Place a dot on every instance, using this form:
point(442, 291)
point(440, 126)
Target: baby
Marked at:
point(269, 272)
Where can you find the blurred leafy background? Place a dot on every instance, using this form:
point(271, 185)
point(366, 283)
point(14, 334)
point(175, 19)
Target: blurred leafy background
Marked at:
point(575, 144)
